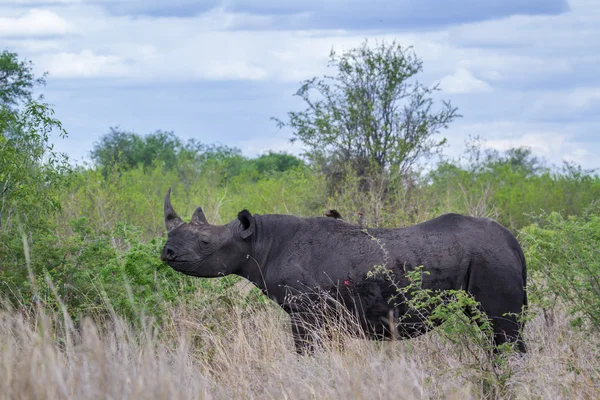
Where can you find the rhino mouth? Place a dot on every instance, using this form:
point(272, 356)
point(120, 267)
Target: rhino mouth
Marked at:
point(188, 267)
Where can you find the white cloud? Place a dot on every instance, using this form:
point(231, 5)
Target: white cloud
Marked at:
point(555, 142)
point(546, 143)
point(84, 64)
point(218, 70)
point(572, 103)
point(463, 81)
point(583, 97)
point(204, 46)
point(509, 56)
point(258, 146)
point(220, 18)
point(553, 146)
point(495, 66)
point(34, 45)
point(38, 2)
point(35, 22)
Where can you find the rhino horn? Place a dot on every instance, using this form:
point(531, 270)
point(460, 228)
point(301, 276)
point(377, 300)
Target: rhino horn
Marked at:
point(172, 220)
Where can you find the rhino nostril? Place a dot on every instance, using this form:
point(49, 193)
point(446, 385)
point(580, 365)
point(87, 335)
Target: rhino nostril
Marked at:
point(167, 254)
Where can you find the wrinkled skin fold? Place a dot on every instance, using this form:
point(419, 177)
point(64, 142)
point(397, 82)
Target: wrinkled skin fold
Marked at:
point(296, 260)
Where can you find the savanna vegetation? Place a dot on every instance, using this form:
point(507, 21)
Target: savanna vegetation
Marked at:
point(88, 309)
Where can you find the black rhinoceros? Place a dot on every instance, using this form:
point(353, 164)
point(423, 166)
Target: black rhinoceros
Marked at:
point(287, 256)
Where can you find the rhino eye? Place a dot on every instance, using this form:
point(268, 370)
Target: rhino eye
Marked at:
point(203, 241)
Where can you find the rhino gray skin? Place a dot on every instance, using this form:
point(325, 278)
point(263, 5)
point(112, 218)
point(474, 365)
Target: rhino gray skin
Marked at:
point(287, 257)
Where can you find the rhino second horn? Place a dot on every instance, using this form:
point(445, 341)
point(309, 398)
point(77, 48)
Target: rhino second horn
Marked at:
point(172, 220)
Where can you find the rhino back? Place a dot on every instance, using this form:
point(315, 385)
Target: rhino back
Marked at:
point(324, 252)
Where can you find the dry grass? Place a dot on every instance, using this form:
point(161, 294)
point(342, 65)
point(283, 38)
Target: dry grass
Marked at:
point(249, 354)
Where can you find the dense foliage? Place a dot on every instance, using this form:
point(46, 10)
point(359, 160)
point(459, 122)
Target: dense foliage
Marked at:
point(565, 254)
point(17, 80)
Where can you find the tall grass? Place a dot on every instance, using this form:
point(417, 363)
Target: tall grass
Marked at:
point(247, 352)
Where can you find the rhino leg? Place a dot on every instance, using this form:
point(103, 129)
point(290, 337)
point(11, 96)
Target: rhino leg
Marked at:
point(507, 329)
point(302, 333)
point(503, 300)
point(504, 318)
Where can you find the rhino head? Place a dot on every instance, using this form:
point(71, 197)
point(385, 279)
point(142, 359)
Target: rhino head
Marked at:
point(200, 249)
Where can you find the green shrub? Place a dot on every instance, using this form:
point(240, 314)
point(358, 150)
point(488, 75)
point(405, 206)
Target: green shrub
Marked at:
point(565, 253)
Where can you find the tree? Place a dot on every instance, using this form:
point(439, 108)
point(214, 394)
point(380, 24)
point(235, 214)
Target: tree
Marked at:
point(17, 80)
point(127, 150)
point(122, 148)
point(31, 172)
point(273, 162)
point(516, 158)
point(372, 114)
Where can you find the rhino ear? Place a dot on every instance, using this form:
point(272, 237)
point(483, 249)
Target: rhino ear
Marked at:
point(199, 218)
point(247, 221)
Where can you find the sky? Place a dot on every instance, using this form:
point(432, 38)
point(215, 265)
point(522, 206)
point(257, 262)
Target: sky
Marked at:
point(522, 73)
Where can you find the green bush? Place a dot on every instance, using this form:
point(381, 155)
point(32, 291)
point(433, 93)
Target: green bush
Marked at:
point(565, 253)
point(92, 272)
